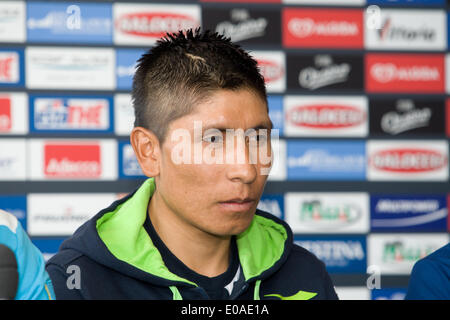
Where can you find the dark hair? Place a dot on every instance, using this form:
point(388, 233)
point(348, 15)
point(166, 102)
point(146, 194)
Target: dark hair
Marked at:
point(182, 70)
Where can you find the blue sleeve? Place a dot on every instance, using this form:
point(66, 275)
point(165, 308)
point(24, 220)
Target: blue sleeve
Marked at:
point(34, 281)
point(427, 282)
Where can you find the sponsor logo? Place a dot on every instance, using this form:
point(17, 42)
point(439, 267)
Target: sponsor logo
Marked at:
point(400, 30)
point(407, 160)
point(72, 161)
point(332, 28)
point(9, 67)
point(71, 113)
point(447, 104)
point(276, 112)
point(340, 255)
point(139, 24)
point(12, 21)
point(123, 114)
point(5, 114)
point(312, 78)
point(271, 65)
point(126, 67)
point(70, 68)
point(388, 72)
point(270, 70)
point(13, 113)
point(273, 204)
point(324, 160)
point(407, 116)
point(391, 32)
point(325, 212)
point(80, 23)
point(405, 73)
point(242, 26)
point(12, 159)
point(411, 118)
point(326, 116)
point(325, 72)
point(61, 214)
point(129, 166)
point(149, 24)
point(408, 213)
point(278, 170)
point(396, 254)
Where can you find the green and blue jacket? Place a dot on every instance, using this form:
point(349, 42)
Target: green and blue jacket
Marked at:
point(112, 256)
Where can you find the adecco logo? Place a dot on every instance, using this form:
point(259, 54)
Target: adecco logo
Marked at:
point(72, 160)
point(326, 116)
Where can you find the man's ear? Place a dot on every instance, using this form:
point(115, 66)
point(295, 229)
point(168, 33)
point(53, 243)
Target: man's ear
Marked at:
point(147, 150)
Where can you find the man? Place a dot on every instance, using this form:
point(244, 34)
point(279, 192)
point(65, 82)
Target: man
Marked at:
point(34, 282)
point(192, 231)
point(430, 277)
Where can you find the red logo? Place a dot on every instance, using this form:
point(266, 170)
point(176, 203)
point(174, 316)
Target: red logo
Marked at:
point(318, 28)
point(154, 24)
point(9, 67)
point(405, 73)
point(326, 116)
point(72, 161)
point(408, 160)
point(5, 114)
point(270, 70)
point(448, 118)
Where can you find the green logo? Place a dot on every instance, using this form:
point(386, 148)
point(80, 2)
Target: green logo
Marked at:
point(301, 295)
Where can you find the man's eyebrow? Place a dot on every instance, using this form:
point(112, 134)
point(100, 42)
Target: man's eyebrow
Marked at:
point(222, 128)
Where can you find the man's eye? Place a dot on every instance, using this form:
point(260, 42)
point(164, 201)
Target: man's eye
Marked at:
point(258, 138)
point(213, 139)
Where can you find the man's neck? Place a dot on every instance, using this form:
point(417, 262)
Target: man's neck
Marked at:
point(202, 252)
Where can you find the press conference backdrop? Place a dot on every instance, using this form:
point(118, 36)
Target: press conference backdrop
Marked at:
point(359, 91)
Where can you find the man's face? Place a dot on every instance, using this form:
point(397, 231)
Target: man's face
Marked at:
point(218, 189)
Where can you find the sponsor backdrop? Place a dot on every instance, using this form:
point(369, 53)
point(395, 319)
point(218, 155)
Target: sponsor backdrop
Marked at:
point(359, 90)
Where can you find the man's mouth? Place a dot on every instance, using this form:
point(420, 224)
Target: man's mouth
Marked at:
point(238, 204)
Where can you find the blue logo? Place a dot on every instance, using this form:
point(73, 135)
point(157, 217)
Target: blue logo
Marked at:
point(17, 206)
point(340, 254)
point(389, 294)
point(407, 2)
point(276, 112)
point(408, 213)
point(12, 71)
point(48, 247)
point(272, 203)
point(326, 160)
point(69, 22)
point(71, 114)
point(125, 66)
point(129, 167)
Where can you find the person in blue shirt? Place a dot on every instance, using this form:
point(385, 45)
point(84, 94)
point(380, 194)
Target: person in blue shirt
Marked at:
point(430, 277)
point(34, 281)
